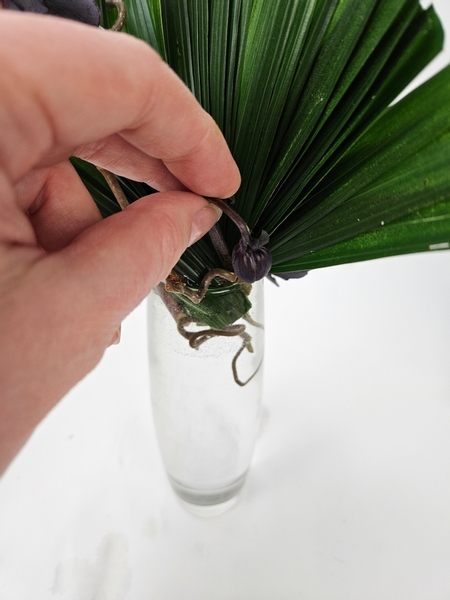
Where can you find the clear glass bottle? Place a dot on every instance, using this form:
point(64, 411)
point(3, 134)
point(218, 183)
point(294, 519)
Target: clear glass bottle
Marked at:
point(206, 420)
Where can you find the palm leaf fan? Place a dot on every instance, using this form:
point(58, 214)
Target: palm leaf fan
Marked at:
point(303, 91)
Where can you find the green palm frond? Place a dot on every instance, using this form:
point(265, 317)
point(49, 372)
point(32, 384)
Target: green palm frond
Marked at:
point(302, 90)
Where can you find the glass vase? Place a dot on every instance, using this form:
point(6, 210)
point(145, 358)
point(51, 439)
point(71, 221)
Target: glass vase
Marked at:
point(206, 401)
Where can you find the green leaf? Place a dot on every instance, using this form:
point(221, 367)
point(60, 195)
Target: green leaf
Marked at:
point(422, 181)
point(179, 40)
point(301, 90)
point(398, 166)
point(139, 23)
point(270, 62)
point(350, 113)
point(218, 65)
point(425, 230)
point(97, 187)
point(219, 308)
point(340, 41)
point(157, 20)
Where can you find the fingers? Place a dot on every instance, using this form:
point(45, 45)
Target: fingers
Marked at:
point(122, 158)
point(96, 85)
point(135, 249)
point(58, 204)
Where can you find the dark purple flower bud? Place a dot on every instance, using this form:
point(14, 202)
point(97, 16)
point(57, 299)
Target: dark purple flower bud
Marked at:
point(251, 259)
point(85, 11)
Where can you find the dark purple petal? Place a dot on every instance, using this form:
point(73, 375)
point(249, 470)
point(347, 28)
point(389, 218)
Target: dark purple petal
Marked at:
point(251, 260)
point(85, 11)
point(27, 5)
point(291, 275)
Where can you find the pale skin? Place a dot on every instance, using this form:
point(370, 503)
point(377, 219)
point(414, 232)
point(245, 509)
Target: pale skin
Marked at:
point(67, 277)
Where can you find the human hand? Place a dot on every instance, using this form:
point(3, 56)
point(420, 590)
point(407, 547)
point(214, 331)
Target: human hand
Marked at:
point(67, 277)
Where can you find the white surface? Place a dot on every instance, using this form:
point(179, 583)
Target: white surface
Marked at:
point(349, 493)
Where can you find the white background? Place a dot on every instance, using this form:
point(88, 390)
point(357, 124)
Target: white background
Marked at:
point(349, 492)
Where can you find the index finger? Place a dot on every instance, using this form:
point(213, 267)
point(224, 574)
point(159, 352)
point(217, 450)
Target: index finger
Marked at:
point(64, 85)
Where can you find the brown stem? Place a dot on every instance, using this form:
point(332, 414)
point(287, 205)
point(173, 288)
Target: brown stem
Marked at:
point(251, 321)
point(121, 14)
point(247, 343)
point(220, 247)
point(197, 338)
point(111, 180)
point(233, 215)
point(178, 285)
point(171, 304)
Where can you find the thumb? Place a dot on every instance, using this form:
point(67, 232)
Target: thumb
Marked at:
point(114, 264)
point(83, 292)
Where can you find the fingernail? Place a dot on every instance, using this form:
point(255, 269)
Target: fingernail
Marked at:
point(203, 221)
point(116, 337)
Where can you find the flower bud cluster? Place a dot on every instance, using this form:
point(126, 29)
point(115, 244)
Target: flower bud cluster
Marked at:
point(85, 11)
point(250, 258)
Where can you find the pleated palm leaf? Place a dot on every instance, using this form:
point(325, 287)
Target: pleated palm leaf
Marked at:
point(303, 91)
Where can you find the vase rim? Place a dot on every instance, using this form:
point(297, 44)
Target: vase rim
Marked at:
point(224, 288)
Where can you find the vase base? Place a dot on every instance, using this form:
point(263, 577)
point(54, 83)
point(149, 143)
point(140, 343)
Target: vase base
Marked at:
point(211, 510)
point(207, 503)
